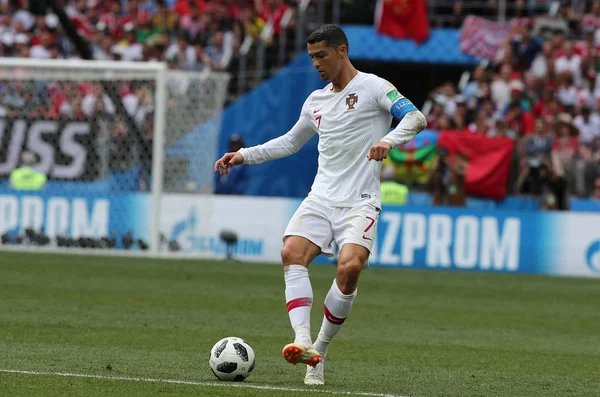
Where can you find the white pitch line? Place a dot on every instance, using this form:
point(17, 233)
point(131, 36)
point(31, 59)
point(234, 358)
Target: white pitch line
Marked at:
point(187, 382)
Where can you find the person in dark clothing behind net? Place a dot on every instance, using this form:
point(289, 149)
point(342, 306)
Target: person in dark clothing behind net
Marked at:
point(236, 182)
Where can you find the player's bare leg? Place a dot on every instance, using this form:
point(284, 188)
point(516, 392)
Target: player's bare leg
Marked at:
point(298, 252)
point(338, 303)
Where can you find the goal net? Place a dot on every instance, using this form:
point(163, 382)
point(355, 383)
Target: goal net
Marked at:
point(89, 149)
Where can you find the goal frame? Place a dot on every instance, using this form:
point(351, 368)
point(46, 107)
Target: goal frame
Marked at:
point(159, 69)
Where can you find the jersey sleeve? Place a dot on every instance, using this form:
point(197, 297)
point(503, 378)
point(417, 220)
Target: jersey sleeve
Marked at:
point(384, 93)
point(388, 99)
point(285, 145)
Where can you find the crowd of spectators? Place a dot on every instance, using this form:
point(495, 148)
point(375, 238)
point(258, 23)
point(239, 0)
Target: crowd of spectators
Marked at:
point(188, 34)
point(543, 92)
point(193, 35)
point(451, 13)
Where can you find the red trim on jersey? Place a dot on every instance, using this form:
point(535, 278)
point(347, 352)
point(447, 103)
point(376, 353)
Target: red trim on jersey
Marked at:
point(333, 319)
point(298, 302)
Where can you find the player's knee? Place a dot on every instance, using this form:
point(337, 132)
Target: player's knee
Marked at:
point(348, 273)
point(352, 265)
point(292, 256)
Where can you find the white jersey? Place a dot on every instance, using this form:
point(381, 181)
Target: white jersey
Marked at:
point(348, 122)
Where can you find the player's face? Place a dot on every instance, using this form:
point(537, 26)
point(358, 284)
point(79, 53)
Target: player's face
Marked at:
point(326, 60)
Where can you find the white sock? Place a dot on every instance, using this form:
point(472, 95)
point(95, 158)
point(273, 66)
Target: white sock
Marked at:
point(337, 307)
point(299, 297)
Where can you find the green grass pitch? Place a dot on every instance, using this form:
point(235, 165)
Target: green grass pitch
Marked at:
point(417, 333)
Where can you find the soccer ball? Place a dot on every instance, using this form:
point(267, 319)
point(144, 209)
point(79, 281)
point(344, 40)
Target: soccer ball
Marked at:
point(232, 359)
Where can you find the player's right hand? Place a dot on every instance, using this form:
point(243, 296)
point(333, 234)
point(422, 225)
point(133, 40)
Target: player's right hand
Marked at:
point(227, 161)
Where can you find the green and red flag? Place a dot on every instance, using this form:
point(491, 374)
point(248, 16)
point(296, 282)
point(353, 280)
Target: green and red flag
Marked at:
point(414, 160)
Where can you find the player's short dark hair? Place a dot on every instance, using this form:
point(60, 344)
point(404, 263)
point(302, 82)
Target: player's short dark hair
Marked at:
point(332, 35)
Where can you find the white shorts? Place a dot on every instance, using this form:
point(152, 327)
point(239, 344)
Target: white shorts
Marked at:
point(325, 225)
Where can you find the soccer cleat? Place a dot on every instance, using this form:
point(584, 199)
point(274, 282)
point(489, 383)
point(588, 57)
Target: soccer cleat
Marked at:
point(315, 376)
point(296, 353)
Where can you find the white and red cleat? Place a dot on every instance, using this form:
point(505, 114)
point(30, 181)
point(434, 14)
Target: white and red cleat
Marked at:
point(314, 375)
point(297, 353)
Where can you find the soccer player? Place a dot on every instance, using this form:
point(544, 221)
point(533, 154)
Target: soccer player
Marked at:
point(352, 116)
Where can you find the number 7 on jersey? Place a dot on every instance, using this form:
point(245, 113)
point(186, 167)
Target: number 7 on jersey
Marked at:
point(318, 118)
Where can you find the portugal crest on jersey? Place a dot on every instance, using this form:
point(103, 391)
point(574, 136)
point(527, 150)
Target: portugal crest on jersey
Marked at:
point(351, 100)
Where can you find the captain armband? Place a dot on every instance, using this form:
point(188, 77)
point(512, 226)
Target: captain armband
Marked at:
point(402, 107)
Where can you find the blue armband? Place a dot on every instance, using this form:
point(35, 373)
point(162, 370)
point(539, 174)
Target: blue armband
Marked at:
point(401, 108)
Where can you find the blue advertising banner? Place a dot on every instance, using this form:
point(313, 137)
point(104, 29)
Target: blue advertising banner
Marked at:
point(75, 215)
point(439, 238)
point(490, 241)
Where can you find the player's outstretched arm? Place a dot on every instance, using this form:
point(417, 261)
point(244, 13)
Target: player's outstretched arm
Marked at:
point(282, 146)
point(277, 148)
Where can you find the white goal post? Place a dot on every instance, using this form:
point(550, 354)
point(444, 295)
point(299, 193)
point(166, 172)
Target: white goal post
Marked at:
point(111, 138)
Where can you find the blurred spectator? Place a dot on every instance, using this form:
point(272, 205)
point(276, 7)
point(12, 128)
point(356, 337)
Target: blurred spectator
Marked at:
point(569, 61)
point(540, 109)
point(444, 123)
point(26, 177)
point(538, 145)
point(183, 54)
point(120, 143)
point(480, 125)
point(518, 120)
point(236, 182)
point(273, 11)
point(590, 157)
point(474, 86)
point(392, 192)
point(97, 100)
point(164, 19)
point(192, 23)
point(461, 113)
point(588, 125)
point(596, 190)
point(433, 119)
point(517, 95)
point(567, 92)
point(539, 179)
point(539, 66)
point(128, 49)
point(489, 112)
point(218, 54)
point(565, 152)
point(531, 93)
point(501, 130)
point(146, 141)
point(484, 94)
point(525, 48)
point(446, 96)
point(500, 87)
point(448, 179)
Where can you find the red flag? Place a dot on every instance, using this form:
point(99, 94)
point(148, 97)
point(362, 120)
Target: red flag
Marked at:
point(403, 19)
point(489, 162)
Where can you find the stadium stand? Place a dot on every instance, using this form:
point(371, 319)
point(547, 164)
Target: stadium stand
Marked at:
point(189, 35)
point(539, 88)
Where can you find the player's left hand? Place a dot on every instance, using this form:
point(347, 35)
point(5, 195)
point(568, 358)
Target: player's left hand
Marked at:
point(379, 151)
